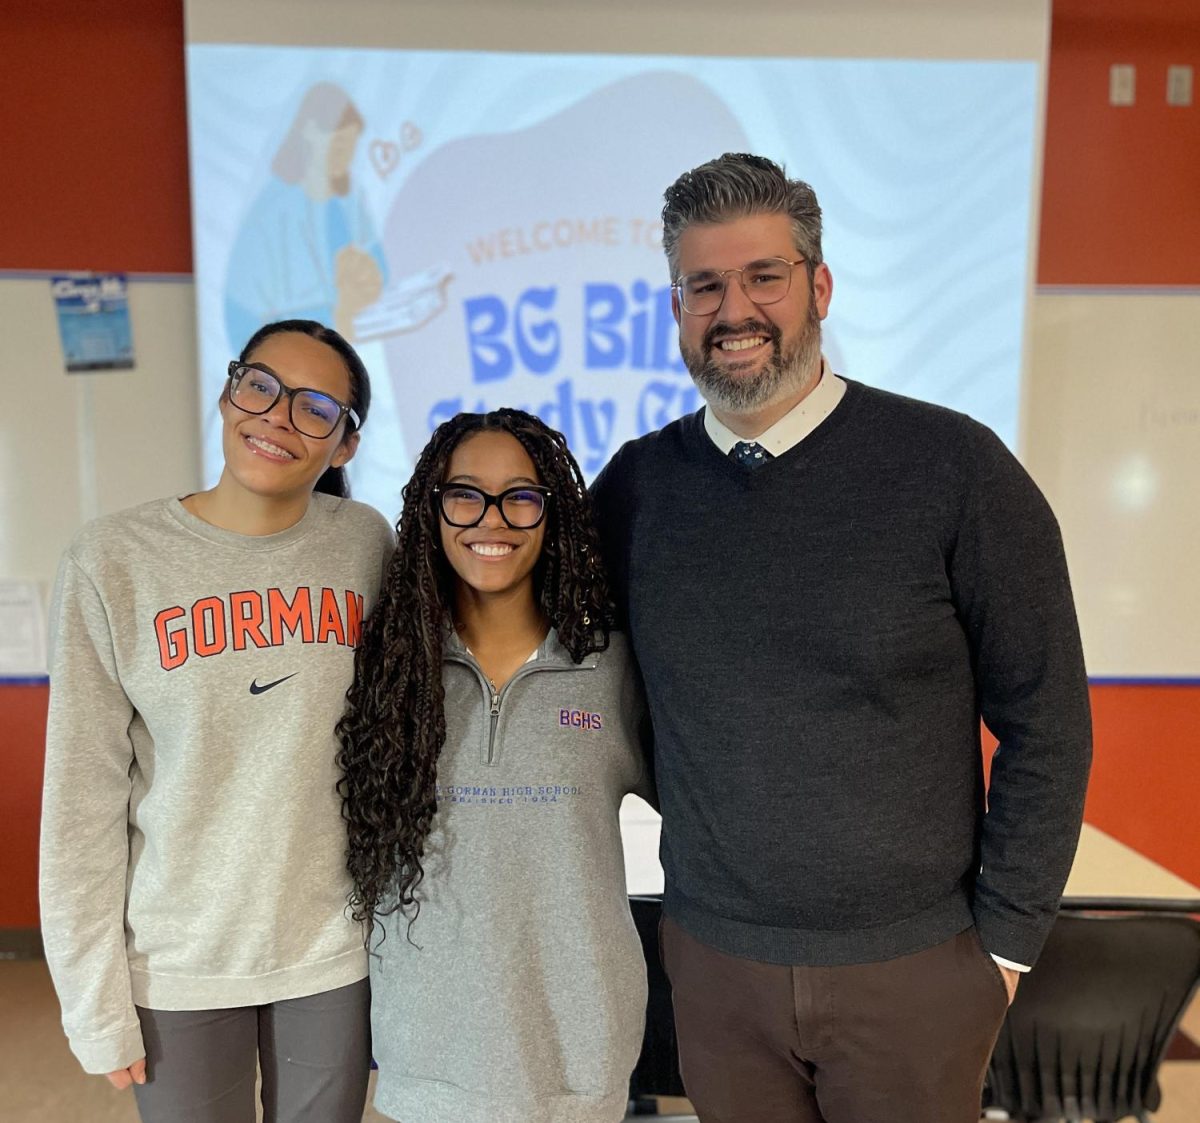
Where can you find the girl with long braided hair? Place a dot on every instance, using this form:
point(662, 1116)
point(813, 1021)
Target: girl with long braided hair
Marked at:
point(492, 730)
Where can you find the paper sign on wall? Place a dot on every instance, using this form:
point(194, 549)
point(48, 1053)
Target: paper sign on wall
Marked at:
point(22, 630)
point(93, 321)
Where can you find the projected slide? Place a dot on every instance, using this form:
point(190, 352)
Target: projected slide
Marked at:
point(485, 227)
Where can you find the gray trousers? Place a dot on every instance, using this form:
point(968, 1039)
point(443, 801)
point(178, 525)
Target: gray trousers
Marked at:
point(314, 1054)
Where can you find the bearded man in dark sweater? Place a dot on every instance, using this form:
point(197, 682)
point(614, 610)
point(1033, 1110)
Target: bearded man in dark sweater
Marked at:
point(827, 587)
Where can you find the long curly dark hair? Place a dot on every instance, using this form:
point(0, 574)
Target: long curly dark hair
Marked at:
point(394, 726)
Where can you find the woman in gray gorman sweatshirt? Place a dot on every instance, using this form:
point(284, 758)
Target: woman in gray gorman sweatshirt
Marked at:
point(493, 728)
point(193, 878)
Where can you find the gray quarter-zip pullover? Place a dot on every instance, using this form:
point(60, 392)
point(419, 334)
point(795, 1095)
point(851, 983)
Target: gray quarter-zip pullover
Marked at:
point(521, 996)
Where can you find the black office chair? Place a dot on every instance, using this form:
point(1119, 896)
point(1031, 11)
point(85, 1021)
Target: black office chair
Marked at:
point(657, 1071)
point(1089, 1027)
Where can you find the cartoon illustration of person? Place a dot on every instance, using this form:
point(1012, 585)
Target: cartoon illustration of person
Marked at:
point(306, 249)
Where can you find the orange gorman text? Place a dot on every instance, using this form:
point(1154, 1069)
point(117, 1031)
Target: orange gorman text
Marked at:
point(248, 619)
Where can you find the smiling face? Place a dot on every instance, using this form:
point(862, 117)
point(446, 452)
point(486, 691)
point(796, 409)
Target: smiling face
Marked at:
point(492, 559)
point(747, 357)
point(264, 454)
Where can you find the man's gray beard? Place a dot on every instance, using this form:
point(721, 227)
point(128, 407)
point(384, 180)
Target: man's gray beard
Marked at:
point(784, 374)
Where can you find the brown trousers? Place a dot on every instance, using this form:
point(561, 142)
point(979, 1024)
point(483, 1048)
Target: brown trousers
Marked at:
point(903, 1041)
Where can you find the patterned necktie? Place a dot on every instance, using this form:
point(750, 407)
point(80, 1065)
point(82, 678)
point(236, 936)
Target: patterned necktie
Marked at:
point(749, 454)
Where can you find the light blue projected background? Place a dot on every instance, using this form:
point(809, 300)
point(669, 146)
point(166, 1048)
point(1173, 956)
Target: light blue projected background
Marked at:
point(509, 204)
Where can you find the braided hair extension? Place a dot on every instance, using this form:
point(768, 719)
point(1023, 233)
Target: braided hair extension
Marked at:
point(394, 726)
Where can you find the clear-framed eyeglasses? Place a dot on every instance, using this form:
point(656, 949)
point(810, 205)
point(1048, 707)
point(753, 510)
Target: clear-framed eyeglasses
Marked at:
point(315, 414)
point(766, 281)
point(521, 508)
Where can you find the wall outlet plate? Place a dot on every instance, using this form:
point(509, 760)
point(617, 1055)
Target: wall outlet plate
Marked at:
point(1121, 84)
point(1179, 85)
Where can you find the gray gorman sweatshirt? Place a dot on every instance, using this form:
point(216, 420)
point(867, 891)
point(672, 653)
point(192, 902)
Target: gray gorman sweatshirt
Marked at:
point(193, 853)
point(521, 996)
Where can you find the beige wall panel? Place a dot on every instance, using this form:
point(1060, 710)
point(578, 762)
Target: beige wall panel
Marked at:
point(835, 28)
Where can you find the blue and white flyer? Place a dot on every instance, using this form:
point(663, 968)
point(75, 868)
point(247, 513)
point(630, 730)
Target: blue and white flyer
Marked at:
point(93, 321)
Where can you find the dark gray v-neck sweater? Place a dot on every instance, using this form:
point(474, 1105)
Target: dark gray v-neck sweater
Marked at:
point(819, 639)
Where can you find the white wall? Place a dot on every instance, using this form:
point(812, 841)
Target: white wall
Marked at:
point(1113, 436)
point(79, 445)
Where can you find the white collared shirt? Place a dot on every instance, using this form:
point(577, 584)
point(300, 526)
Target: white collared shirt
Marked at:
point(793, 426)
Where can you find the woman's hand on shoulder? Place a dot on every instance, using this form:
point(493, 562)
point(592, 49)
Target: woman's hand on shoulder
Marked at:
point(123, 1077)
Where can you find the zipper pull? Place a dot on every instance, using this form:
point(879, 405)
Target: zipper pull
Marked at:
point(495, 699)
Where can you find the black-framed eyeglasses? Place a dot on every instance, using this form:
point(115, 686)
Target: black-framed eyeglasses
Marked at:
point(766, 281)
point(522, 508)
point(254, 389)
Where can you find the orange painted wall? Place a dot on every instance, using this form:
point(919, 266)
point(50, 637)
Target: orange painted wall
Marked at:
point(1145, 783)
point(94, 127)
point(1120, 184)
point(23, 719)
point(1121, 206)
point(1145, 788)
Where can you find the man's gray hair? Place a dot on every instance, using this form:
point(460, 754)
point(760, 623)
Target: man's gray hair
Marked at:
point(738, 185)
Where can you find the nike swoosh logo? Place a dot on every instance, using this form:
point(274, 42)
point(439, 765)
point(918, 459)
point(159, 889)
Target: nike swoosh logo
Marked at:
point(256, 689)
